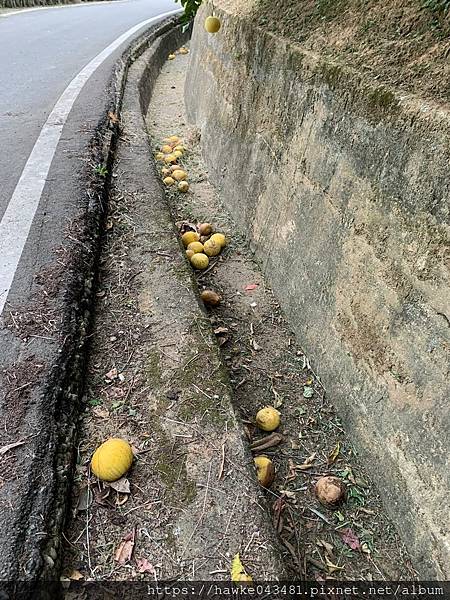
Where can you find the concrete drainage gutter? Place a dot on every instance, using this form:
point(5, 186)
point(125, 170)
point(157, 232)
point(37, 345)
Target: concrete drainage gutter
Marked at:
point(31, 527)
point(37, 472)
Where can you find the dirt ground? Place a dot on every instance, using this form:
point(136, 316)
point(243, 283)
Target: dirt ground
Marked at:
point(404, 43)
point(268, 367)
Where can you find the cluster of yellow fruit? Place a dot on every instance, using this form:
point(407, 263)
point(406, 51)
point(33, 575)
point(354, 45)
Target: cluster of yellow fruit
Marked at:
point(202, 244)
point(182, 50)
point(267, 419)
point(173, 173)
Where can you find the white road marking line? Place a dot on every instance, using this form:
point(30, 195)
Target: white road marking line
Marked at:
point(17, 220)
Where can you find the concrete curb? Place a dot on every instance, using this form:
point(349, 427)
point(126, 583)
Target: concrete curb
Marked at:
point(30, 535)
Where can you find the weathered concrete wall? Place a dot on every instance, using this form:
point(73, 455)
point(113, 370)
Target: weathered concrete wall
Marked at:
point(343, 190)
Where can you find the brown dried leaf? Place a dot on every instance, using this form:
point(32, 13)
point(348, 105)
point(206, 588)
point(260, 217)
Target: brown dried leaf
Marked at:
point(334, 454)
point(144, 566)
point(332, 568)
point(122, 485)
point(308, 463)
point(75, 575)
point(220, 330)
point(112, 374)
point(100, 413)
point(125, 549)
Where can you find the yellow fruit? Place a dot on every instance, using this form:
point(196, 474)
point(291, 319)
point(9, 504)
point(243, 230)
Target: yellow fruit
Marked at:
point(212, 248)
point(112, 459)
point(178, 154)
point(175, 168)
point(212, 24)
point(180, 148)
point(205, 229)
point(210, 297)
point(183, 50)
point(268, 418)
point(168, 181)
point(170, 158)
point(159, 156)
point(166, 149)
point(188, 237)
point(183, 186)
point(199, 261)
point(195, 247)
point(190, 253)
point(220, 239)
point(265, 471)
point(171, 56)
point(165, 172)
point(179, 174)
point(173, 139)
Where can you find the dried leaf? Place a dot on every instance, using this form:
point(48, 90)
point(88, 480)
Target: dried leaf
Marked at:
point(255, 345)
point(334, 454)
point(308, 392)
point(121, 499)
point(112, 374)
point(144, 566)
point(238, 572)
point(113, 117)
point(85, 499)
point(250, 287)
point(350, 538)
point(220, 330)
point(100, 413)
point(76, 575)
point(124, 551)
point(308, 462)
point(288, 494)
point(331, 566)
point(122, 485)
point(327, 547)
point(278, 401)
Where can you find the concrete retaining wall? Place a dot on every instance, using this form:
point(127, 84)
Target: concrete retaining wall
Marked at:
point(342, 187)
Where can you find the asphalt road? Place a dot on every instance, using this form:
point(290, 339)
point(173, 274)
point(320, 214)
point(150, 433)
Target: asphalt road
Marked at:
point(41, 51)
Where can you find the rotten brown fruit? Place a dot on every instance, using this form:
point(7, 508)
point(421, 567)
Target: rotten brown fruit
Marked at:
point(330, 491)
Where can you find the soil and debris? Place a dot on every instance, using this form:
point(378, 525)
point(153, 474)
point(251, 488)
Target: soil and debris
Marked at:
point(404, 43)
point(267, 366)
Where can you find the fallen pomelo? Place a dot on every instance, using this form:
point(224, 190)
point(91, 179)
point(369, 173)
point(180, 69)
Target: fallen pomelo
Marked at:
point(220, 239)
point(199, 261)
point(195, 247)
point(268, 418)
point(189, 237)
point(265, 471)
point(183, 186)
point(112, 459)
point(212, 248)
point(179, 174)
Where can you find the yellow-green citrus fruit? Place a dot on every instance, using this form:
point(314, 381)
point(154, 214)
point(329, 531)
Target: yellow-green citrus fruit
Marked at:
point(159, 156)
point(171, 56)
point(188, 237)
point(166, 149)
point(195, 247)
point(179, 174)
point(190, 253)
point(177, 153)
point(268, 418)
point(168, 181)
point(265, 471)
point(112, 459)
point(212, 248)
point(180, 148)
point(212, 24)
point(175, 168)
point(183, 186)
point(173, 139)
point(170, 158)
point(220, 239)
point(165, 172)
point(183, 50)
point(199, 261)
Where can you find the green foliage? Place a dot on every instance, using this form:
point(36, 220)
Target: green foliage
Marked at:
point(190, 9)
point(437, 5)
